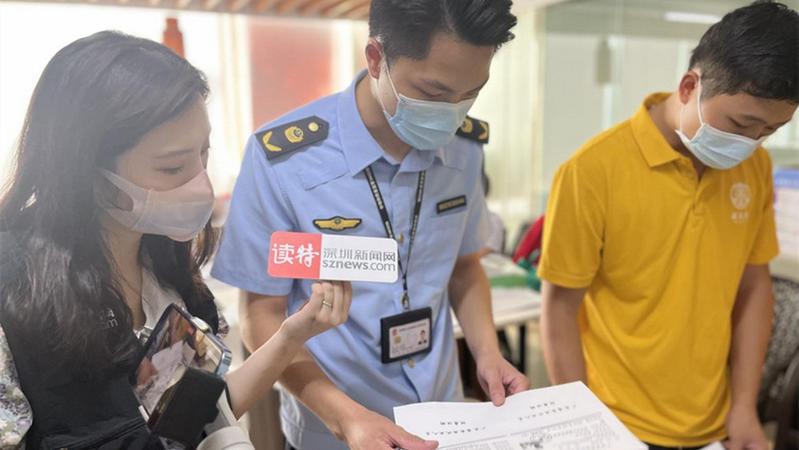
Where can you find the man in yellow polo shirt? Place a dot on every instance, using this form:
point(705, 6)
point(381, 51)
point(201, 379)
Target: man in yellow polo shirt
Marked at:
point(659, 232)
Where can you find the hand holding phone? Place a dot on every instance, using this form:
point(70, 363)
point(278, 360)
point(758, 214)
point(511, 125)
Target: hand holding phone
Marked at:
point(180, 376)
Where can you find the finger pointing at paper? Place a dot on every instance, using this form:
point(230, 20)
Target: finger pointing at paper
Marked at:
point(499, 379)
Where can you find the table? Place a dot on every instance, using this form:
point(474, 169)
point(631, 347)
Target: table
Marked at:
point(513, 307)
point(514, 304)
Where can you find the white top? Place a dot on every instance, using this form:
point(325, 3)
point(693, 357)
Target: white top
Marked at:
point(496, 233)
point(16, 416)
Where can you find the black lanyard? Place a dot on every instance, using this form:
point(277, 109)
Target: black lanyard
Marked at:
point(417, 210)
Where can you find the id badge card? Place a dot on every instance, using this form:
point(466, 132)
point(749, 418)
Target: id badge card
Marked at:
point(405, 335)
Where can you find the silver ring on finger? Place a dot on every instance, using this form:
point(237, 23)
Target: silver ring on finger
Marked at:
point(327, 304)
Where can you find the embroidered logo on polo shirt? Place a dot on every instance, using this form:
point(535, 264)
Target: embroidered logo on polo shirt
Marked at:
point(741, 198)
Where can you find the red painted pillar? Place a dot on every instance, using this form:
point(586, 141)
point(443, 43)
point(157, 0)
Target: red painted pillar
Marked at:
point(291, 63)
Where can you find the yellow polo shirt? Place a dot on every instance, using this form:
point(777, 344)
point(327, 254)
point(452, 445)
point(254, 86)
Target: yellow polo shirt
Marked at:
point(661, 253)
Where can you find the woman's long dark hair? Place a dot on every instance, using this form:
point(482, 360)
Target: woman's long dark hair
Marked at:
point(95, 100)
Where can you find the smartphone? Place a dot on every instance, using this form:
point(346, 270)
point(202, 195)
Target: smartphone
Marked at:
point(179, 341)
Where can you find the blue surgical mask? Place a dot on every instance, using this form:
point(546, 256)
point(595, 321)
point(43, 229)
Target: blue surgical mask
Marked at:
point(425, 125)
point(715, 148)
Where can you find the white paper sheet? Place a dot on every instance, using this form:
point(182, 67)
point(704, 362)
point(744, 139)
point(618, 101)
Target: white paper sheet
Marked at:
point(714, 446)
point(565, 417)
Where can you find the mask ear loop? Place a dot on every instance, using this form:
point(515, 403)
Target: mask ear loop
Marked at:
point(106, 193)
point(698, 109)
point(391, 81)
point(393, 89)
point(108, 178)
point(682, 112)
point(699, 102)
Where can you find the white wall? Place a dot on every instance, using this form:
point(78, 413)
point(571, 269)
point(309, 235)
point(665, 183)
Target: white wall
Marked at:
point(509, 102)
point(31, 33)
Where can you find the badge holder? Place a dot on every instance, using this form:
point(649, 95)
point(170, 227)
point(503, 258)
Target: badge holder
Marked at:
point(405, 335)
point(409, 333)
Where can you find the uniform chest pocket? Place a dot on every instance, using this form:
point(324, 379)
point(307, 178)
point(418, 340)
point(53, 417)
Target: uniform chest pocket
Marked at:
point(437, 246)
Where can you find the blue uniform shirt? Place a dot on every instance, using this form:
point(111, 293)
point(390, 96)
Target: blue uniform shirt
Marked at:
point(327, 180)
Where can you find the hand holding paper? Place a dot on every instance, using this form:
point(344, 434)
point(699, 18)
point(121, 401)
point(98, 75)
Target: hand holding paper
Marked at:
point(559, 418)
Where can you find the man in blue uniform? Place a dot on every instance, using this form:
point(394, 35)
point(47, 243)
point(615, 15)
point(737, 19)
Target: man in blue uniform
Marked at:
point(380, 159)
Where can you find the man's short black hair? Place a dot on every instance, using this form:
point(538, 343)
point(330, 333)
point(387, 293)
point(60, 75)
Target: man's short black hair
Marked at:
point(406, 27)
point(753, 50)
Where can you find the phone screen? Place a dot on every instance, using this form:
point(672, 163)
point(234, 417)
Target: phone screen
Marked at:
point(176, 343)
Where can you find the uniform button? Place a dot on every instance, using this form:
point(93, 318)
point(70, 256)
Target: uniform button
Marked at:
point(401, 238)
point(411, 363)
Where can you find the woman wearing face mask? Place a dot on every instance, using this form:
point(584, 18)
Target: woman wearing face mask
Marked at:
point(104, 224)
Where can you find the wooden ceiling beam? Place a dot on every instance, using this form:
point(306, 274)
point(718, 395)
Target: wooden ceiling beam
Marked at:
point(262, 6)
point(340, 9)
point(211, 5)
point(238, 5)
point(334, 9)
point(279, 4)
point(288, 7)
point(315, 8)
point(358, 13)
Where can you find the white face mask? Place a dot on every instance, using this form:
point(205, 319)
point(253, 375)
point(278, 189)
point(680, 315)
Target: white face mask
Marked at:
point(425, 125)
point(715, 148)
point(180, 213)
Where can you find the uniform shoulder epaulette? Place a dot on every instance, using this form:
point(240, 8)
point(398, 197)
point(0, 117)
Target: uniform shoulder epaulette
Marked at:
point(290, 137)
point(474, 129)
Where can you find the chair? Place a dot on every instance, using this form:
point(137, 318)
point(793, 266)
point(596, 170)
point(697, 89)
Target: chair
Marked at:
point(779, 394)
point(786, 409)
